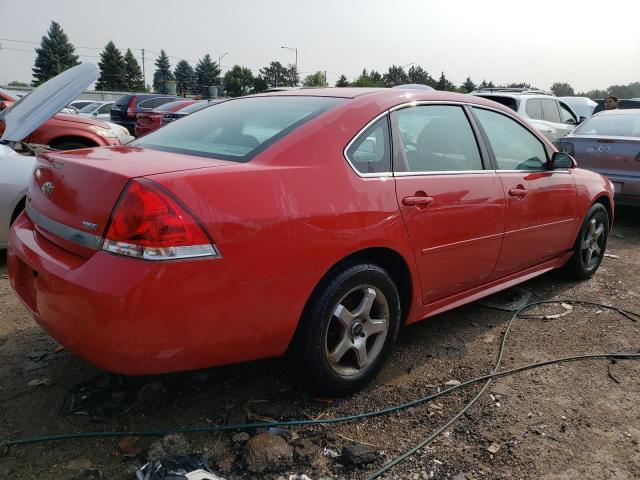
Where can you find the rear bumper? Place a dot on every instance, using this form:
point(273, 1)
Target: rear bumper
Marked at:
point(627, 188)
point(138, 317)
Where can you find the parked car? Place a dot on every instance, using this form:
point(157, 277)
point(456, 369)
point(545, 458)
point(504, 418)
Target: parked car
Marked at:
point(188, 110)
point(17, 168)
point(553, 117)
point(147, 122)
point(80, 104)
point(623, 104)
point(69, 131)
point(127, 107)
point(98, 110)
point(279, 222)
point(609, 143)
point(581, 106)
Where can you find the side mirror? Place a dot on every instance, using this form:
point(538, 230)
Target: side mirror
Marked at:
point(562, 160)
point(95, 114)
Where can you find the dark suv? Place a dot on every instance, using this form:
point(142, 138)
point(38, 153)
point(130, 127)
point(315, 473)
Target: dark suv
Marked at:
point(126, 108)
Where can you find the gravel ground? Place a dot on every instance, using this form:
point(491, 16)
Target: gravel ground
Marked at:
point(574, 421)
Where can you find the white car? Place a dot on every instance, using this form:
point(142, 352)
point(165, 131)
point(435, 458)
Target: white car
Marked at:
point(35, 109)
point(550, 115)
point(99, 110)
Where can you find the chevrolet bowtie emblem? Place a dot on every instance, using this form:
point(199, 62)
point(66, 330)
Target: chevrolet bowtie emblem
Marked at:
point(47, 188)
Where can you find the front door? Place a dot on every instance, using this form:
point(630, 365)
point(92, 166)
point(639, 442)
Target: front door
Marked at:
point(541, 216)
point(453, 208)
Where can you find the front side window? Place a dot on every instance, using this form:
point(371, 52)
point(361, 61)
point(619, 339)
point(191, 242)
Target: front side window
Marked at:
point(371, 152)
point(236, 130)
point(514, 147)
point(436, 138)
point(106, 108)
point(550, 110)
point(566, 116)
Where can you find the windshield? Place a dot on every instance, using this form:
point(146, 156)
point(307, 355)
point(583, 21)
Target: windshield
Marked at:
point(236, 129)
point(89, 108)
point(622, 125)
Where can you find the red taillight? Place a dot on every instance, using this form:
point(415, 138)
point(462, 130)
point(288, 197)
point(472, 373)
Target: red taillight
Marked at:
point(132, 106)
point(149, 223)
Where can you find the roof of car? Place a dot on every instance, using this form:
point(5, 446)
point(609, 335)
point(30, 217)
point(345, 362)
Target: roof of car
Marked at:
point(339, 92)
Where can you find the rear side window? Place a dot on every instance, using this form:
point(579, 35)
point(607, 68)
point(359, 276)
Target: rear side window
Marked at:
point(158, 102)
point(533, 108)
point(550, 111)
point(239, 129)
point(371, 151)
point(514, 147)
point(169, 106)
point(123, 101)
point(105, 108)
point(146, 105)
point(510, 102)
point(436, 138)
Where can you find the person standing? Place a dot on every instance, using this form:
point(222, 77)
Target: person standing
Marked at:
point(611, 103)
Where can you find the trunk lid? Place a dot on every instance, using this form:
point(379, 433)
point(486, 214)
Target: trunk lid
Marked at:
point(80, 189)
point(607, 155)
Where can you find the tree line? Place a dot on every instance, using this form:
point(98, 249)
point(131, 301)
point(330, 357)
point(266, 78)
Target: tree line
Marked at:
point(122, 72)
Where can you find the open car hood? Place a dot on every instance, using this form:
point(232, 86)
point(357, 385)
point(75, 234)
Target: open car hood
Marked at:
point(41, 104)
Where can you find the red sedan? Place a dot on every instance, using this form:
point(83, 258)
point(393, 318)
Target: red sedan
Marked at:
point(312, 221)
point(147, 122)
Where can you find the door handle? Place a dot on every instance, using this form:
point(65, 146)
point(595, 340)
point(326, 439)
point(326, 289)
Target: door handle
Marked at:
point(518, 192)
point(414, 201)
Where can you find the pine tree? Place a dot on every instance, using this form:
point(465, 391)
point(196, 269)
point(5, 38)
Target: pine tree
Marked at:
point(275, 74)
point(55, 55)
point(135, 82)
point(292, 76)
point(417, 74)
point(162, 74)
point(113, 73)
point(207, 73)
point(444, 83)
point(342, 81)
point(395, 76)
point(259, 84)
point(468, 85)
point(185, 78)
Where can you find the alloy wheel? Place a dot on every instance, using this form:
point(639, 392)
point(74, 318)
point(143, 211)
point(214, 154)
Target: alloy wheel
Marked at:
point(592, 243)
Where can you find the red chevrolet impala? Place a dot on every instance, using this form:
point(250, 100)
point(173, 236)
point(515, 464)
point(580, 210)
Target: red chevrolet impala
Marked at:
point(312, 221)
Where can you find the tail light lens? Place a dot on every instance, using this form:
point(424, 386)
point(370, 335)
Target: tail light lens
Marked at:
point(151, 224)
point(566, 147)
point(132, 106)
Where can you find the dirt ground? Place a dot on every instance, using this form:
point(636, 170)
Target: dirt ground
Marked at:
point(573, 421)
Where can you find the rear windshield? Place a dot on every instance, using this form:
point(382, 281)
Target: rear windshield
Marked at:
point(123, 100)
point(170, 107)
point(611, 125)
point(236, 130)
point(510, 102)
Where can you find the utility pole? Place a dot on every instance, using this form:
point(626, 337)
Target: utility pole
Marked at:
point(144, 77)
point(294, 50)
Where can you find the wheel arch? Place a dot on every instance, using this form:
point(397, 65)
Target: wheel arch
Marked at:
point(87, 141)
point(388, 259)
point(605, 201)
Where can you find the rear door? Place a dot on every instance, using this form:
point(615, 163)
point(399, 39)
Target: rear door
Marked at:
point(541, 213)
point(453, 208)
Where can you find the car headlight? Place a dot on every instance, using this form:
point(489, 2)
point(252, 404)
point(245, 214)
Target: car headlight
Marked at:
point(103, 132)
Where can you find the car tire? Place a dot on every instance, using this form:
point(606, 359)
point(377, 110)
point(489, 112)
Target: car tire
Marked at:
point(348, 327)
point(590, 244)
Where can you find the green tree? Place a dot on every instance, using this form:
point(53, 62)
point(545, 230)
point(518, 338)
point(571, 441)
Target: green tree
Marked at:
point(342, 81)
point(238, 81)
point(468, 86)
point(207, 74)
point(594, 94)
point(55, 55)
point(113, 70)
point(621, 91)
point(185, 78)
point(315, 80)
point(395, 76)
point(292, 76)
point(417, 74)
point(259, 84)
point(562, 89)
point(162, 74)
point(368, 80)
point(275, 74)
point(444, 84)
point(135, 82)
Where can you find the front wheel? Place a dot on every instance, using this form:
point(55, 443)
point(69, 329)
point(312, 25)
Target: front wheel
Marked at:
point(590, 245)
point(349, 326)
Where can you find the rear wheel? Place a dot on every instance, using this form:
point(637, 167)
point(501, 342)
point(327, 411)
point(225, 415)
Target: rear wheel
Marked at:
point(590, 245)
point(348, 327)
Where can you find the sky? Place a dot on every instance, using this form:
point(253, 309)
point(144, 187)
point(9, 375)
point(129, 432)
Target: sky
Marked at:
point(589, 44)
